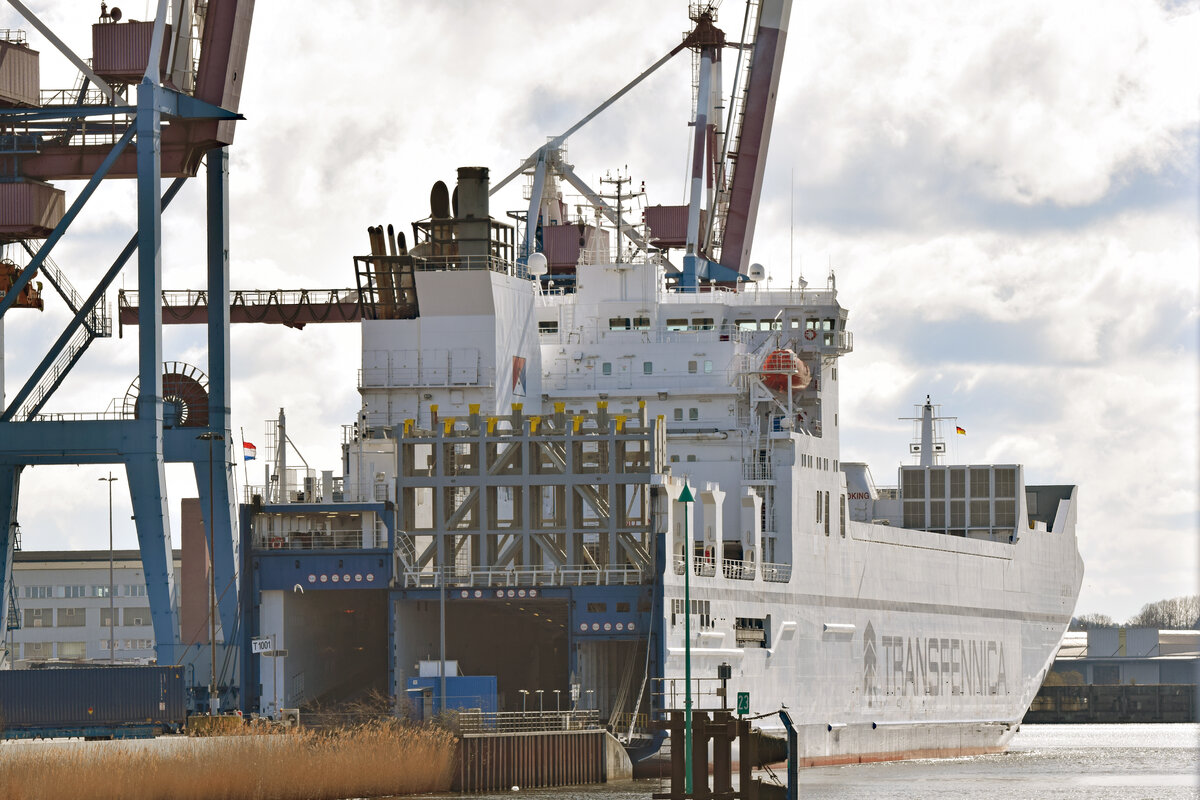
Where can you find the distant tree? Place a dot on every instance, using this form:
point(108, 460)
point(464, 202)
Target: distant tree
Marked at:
point(1085, 621)
point(1066, 678)
point(1177, 612)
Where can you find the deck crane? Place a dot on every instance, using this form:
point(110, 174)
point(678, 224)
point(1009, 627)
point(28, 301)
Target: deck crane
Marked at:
point(728, 156)
point(141, 73)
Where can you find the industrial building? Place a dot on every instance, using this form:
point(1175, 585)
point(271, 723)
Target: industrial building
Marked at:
point(61, 608)
point(1130, 656)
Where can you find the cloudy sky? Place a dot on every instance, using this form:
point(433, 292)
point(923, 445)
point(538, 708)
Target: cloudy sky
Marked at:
point(1007, 192)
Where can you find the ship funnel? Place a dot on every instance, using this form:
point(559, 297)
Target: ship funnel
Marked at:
point(473, 222)
point(472, 192)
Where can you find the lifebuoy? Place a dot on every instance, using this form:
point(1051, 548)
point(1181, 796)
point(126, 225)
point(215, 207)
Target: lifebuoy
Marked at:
point(810, 334)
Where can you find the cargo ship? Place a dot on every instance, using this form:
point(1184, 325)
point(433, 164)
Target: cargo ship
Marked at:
point(572, 420)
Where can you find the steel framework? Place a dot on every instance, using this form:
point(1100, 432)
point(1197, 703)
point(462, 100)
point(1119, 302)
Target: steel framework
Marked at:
point(201, 124)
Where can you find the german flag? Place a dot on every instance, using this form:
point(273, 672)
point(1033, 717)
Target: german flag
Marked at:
point(963, 431)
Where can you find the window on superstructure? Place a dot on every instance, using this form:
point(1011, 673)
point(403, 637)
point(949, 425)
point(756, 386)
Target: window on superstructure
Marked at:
point(703, 323)
point(548, 326)
point(796, 324)
point(746, 324)
point(958, 483)
point(980, 483)
point(937, 482)
point(818, 508)
point(39, 592)
point(827, 324)
point(606, 368)
point(647, 367)
point(677, 324)
point(842, 525)
point(679, 415)
point(912, 487)
point(914, 514)
point(618, 324)
point(641, 323)
point(693, 414)
point(1006, 482)
point(1006, 513)
point(707, 367)
point(99, 591)
point(597, 608)
point(676, 609)
point(691, 457)
point(692, 367)
point(674, 459)
point(771, 325)
point(811, 324)
point(827, 513)
point(75, 591)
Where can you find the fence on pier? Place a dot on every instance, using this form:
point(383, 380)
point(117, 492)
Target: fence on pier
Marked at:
point(530, 750)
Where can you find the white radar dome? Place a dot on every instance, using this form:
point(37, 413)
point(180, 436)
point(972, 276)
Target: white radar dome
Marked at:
point(756, 272)
point(537, 264)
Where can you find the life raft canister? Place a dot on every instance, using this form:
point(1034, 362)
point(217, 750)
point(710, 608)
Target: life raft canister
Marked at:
point(783, 370)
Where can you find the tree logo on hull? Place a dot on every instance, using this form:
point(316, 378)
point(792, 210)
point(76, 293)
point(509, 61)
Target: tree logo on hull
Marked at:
point(870, 685)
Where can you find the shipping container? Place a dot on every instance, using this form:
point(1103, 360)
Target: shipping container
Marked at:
point(20, 76)
point(29, 209)
point(120, 50)
point(91, 701)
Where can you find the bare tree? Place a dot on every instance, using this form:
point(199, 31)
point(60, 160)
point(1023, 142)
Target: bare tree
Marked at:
point(1177, 612)
point(1085, 621)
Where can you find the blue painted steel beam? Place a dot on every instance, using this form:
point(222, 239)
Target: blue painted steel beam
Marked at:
point(144, 462)
point(10, 482)
point(85, 194)
point(224, 501)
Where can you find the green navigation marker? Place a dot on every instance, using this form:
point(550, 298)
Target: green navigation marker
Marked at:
point(743, 704)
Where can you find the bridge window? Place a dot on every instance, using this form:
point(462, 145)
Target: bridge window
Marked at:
point(606, 368)
point(641, 323)
point(703, 324)
point(647, 367)
point(746, 324)
point(677, 324)
point(548, 326)
point(619, 324)
point(692, 366)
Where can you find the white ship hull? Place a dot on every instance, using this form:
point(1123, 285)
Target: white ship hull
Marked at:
point(891, 644)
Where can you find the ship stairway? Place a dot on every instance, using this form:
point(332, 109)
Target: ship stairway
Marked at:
point(96, 324)
point(732, 137)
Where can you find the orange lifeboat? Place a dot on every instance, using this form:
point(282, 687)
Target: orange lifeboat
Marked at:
point(783, 370)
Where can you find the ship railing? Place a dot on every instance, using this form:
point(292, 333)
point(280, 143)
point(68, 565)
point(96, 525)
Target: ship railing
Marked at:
point(706, 692)
point(755, 297)
point(738, 570)
point(704, 566)
point(757, 471)
point(572, 575)
point(335, 539)
point(474, 722)
point(341, 491)
point(461, 262)
point(426, 375)
point(776, 573)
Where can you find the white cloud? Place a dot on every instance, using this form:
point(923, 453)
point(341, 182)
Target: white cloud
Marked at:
point(1007, 191)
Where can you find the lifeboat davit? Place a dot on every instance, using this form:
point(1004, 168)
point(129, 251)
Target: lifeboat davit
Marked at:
point(783, 370)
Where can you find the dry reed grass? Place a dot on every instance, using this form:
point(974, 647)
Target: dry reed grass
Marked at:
point(374, 759)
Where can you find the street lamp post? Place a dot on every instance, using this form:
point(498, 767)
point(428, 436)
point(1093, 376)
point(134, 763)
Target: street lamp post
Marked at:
point(541, 708)
point(686, 498)
point(210, 436)
point(524, 696)
point(112, 645)
point(557, 697)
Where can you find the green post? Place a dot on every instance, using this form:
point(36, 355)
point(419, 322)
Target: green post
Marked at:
point(685, 497)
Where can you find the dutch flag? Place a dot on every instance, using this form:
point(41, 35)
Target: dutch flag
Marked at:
point(249, 451)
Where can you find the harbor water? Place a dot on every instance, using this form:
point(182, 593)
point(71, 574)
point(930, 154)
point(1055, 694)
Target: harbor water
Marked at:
point(1062, 762)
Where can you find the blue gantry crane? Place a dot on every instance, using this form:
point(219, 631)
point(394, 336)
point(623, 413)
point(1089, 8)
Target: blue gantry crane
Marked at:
point(187, 70)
